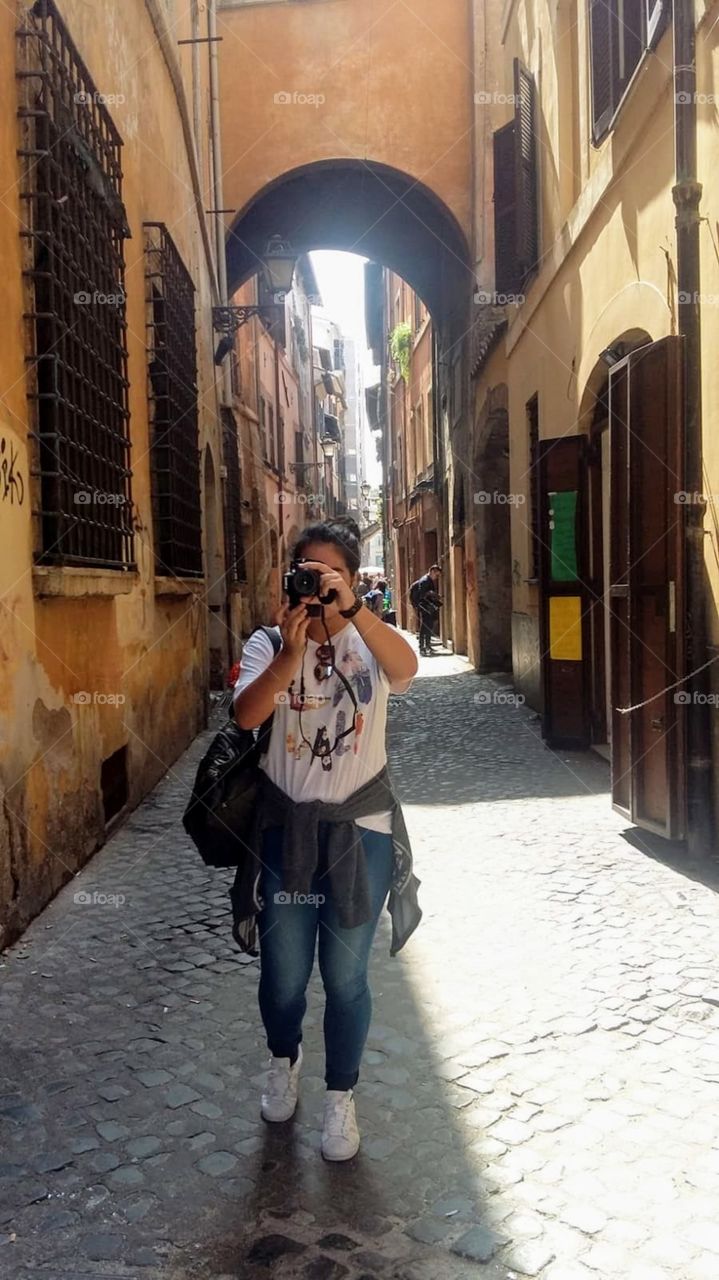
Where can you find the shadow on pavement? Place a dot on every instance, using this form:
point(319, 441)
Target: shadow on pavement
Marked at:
point(482, 747)
point(674, 854)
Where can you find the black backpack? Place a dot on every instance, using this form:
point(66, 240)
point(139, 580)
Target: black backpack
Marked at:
point(219, 815)
point(414, 593)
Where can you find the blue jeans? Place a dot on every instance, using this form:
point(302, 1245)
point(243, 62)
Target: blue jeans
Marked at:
point(288, 932)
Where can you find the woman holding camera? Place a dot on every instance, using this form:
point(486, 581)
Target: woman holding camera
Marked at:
point(330, 842)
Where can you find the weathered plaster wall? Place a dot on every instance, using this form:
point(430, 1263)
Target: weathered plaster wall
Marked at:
point(116, 636)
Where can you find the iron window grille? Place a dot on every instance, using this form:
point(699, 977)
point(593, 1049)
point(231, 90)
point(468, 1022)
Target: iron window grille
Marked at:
point(234, 540)
point(174, 441)
point(73, 229)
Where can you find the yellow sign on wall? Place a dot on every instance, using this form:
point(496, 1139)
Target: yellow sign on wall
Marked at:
point(565, 628)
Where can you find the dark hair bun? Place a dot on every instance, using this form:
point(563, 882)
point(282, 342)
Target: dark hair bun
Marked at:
point(341, 531)
point(346, 522)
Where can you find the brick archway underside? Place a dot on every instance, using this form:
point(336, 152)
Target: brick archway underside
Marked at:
point(367, 209)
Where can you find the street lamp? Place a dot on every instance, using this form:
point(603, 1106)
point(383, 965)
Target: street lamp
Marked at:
point(328, 445)
point(365, 490)
point(278, 266)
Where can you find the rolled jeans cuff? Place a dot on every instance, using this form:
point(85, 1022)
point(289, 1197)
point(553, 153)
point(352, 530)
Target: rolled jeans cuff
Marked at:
point(341, 1082)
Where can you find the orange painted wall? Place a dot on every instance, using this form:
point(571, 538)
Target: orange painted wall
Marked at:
point(346, 54)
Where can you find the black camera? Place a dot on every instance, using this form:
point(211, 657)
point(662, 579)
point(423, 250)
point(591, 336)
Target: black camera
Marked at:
point(299, 582)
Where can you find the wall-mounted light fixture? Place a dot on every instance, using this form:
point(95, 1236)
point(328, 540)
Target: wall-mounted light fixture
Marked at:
point(612, 354)
point(278, 267)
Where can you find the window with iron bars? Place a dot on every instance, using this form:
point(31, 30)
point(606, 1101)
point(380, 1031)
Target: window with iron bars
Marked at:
point(74, 225)
point(234, 540)
point(174, 444)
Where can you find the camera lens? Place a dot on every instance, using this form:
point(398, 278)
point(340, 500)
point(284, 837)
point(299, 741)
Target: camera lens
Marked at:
point(306, 582)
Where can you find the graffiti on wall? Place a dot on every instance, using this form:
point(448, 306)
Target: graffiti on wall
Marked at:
point(12, 485)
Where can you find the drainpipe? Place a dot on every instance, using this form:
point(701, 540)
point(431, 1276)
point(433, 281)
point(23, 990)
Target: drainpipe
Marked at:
point(217, 203)
point(687, 195)
point(217, 194)
point(280, 444)
point(196, 82)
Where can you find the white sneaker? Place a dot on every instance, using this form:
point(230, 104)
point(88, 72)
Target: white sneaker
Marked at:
point(280, 1097)
point(340, 1135)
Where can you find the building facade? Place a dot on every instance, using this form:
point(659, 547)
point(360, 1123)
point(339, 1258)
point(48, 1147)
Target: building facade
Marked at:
point(282, 463)
point(595, 366)
point(118, 604)
point(410, 440)
point(331, 413)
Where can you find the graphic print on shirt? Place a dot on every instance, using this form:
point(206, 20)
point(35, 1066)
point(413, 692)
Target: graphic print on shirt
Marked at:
point(289, 761)
point(340, 726)
point(298, 702)
point(359, 675)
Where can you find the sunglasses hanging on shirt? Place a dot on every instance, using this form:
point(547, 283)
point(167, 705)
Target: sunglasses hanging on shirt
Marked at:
point(325, 667)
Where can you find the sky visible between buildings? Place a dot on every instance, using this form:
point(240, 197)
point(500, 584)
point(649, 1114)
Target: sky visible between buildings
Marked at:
point(340, 277)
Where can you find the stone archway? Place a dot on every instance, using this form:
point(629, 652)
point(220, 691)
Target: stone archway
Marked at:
point(365, 208)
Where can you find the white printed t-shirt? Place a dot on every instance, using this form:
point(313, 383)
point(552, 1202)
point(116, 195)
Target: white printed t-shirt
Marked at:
point(289, 763)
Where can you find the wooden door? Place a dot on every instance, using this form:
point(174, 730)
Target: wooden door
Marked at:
point(646, 589)
point(564, 591)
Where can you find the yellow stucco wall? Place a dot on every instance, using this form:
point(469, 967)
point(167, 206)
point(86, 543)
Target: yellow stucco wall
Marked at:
point(608, 246)
point(148, 648)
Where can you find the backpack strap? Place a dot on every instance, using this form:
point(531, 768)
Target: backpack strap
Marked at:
point(265, 729)
point(273, 637)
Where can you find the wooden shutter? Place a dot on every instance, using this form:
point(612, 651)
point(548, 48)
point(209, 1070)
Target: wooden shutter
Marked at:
point(602, 19)
point(646, 590)
point(564, 592)
point(525, 161)
point(506, 273)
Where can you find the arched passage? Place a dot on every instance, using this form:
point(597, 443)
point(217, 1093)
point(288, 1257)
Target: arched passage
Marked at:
point(369, 209)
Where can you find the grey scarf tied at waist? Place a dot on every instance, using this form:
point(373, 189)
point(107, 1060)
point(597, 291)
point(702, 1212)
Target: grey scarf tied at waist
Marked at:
point(346, 866)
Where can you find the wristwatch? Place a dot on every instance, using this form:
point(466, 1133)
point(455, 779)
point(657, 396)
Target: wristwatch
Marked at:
point(355, 608)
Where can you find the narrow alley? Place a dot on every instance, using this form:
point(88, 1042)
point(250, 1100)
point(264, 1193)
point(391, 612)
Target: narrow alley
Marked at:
point(541, 1078)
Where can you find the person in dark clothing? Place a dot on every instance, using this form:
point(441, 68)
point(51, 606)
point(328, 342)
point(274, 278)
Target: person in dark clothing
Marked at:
point(374, 599)
point(427, 604)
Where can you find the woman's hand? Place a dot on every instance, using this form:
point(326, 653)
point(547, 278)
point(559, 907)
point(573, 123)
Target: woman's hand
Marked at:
point(332, 580)
point(293, 624)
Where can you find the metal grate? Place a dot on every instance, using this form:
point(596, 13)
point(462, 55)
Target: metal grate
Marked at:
point(74, 226)
point(234, 542)
point(175, 452)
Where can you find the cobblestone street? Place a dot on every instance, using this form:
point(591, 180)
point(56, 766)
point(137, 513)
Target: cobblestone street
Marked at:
point(539, 1095)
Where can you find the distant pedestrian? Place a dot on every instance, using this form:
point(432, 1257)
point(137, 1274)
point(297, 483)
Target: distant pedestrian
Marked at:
point(375, 599)
point(364, 585)
point(427, 603)
point(329, 841)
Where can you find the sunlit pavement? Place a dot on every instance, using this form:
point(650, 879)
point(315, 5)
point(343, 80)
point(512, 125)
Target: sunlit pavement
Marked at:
point(539, 1092)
